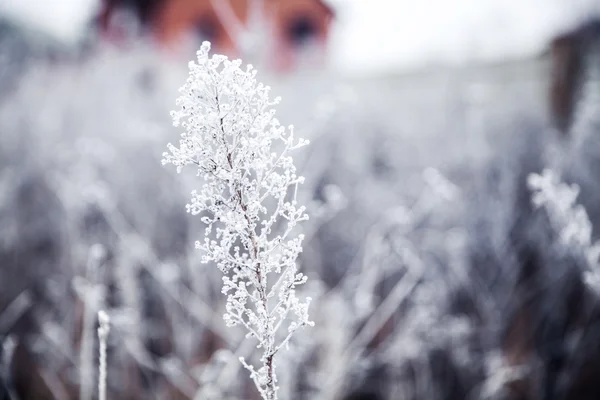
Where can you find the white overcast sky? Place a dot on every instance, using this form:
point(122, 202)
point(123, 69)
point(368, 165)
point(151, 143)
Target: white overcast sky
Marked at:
point(63, 19)
point(374, 36)
point(378, 35)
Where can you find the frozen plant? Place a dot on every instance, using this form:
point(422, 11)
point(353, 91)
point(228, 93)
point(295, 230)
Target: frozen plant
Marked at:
point(568, 218)
point(103, 332)
point(247, 201)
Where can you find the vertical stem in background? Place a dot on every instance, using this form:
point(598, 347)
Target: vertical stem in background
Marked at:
point(7, 351)
point(103, 332)
point(91, 295)
point(86, 355)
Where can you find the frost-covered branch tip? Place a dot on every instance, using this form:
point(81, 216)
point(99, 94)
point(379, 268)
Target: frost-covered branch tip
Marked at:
point(247, 201)
point(568, 218)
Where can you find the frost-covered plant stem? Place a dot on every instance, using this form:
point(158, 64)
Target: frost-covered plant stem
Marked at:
point(243, 154)
point(92, 296)
point(270, 390)
point(103, 331)
point(86, 356)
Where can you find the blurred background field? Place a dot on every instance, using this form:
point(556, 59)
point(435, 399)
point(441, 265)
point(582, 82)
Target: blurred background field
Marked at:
point(432, 275)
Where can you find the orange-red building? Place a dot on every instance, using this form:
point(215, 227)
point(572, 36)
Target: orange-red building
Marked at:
point(292, 26)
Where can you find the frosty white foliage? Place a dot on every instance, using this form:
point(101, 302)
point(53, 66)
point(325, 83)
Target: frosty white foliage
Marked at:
point(243, 154)
point(570, 219)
